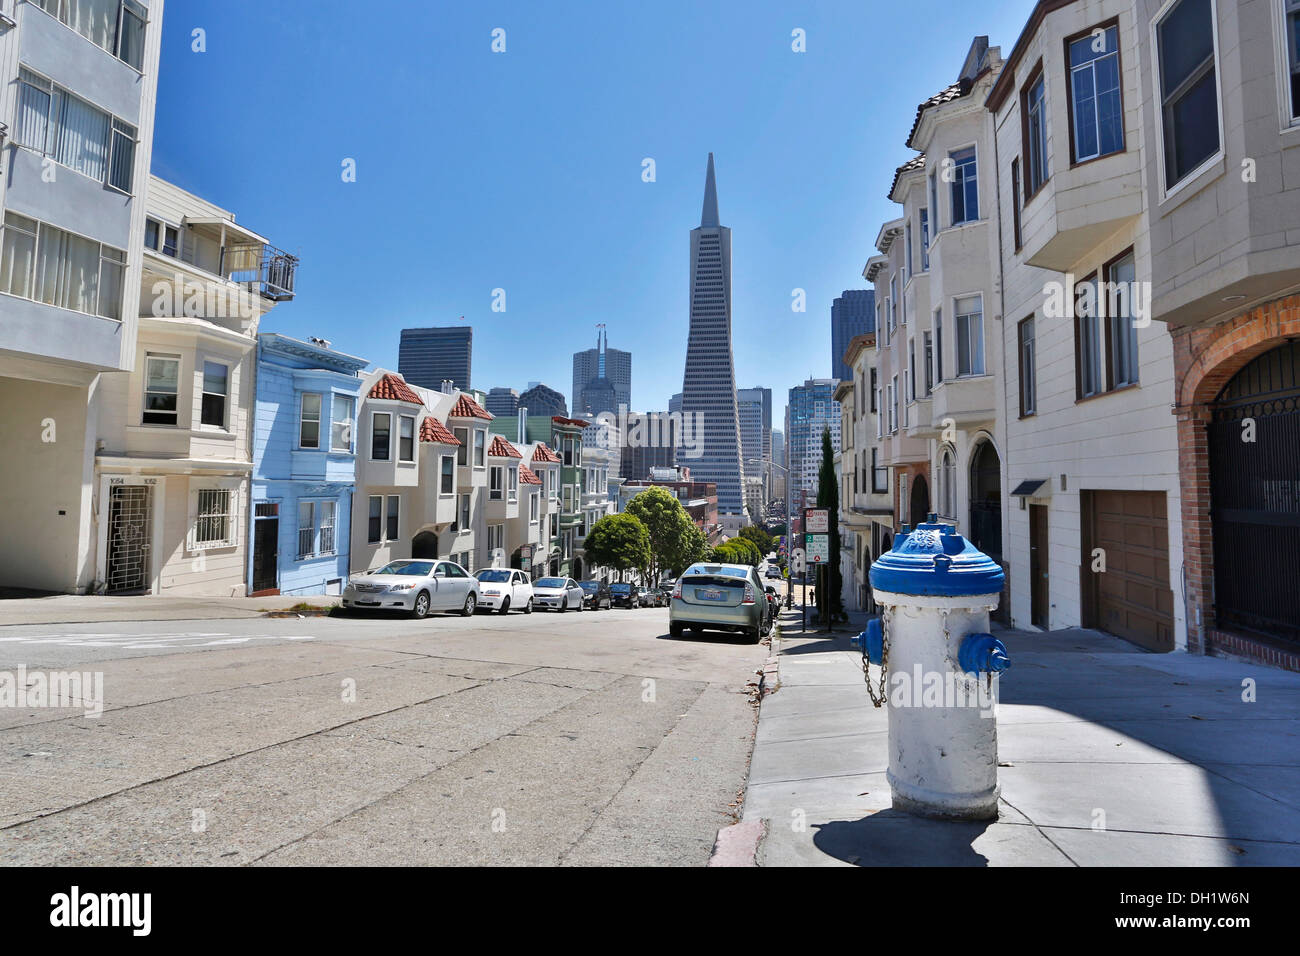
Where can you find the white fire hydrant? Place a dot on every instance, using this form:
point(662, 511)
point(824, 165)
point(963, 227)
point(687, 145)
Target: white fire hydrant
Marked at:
point(938, 671)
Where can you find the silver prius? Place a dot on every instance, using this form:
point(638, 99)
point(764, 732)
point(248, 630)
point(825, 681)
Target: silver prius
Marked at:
point(416, 586)
point(718, 597)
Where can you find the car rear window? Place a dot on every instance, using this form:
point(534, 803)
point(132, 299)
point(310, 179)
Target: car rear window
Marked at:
point(620, 588)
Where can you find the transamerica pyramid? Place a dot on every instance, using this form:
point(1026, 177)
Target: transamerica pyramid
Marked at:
point(709, 383)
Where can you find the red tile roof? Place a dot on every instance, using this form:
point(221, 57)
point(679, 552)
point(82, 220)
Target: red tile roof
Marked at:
point(542, 453)
point(392, 387)
point(561, 420)
point(432, 430)
point(527, 476)
point(466, 407)
point(503, 449)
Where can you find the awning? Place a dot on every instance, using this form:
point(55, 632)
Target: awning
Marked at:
point(231, 227)
point(1029, 488)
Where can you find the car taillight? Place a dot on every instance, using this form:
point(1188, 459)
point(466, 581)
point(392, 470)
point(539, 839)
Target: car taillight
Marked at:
point(749, 594)
point(677, 589)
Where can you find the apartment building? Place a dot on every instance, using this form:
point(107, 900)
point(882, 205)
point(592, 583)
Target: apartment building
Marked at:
point(304, 466)
point(1093, 476)
point(76, 116)
point(866, 509)
point(1220, 104)
point(174, 450)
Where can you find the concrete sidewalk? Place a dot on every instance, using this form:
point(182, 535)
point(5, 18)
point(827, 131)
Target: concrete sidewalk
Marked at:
point(1110, 756)
point(94, 609)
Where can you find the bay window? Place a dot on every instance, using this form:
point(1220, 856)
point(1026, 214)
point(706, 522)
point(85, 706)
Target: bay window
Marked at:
point(406, 438)
point(1096, 104)
point(341, 423)
point(216, 391)
point(1188, 86)
point(117, 26)
point(381, 430)
point(1034, 104)
point(309, 421)
point(965, 192)
point(162, 376)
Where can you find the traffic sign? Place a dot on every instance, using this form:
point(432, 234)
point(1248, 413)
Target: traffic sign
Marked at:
point(818, 548)
point(816, 520)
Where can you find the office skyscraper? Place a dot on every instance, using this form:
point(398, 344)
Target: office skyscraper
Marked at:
point(602, 378)
point(543, 400)
point(754, 408)
point(426, 357)
point(502, 402)
point(709, 382)
point(853, 313)
point(812, 410)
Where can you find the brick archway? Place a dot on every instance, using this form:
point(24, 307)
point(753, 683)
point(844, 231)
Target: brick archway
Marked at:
point(1205, 359)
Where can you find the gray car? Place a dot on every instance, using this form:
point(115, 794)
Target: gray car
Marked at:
point(719, 597)
point(416, 586)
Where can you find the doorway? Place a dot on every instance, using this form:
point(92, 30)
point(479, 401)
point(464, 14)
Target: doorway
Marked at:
point(130, 521)
point(1039, 559)
point(266, 548)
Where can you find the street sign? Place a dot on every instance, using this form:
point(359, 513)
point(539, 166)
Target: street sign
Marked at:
point(816, 521)
point(818, 548)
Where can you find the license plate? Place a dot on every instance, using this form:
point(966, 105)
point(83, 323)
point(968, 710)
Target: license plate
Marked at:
point(709, 594)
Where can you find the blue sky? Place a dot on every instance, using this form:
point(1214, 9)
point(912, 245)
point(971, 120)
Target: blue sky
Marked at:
point(522, 170)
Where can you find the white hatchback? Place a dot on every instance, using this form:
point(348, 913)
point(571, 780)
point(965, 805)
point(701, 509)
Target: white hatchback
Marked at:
point(500, 589)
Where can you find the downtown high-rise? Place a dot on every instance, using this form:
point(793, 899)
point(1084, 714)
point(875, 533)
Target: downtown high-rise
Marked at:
point(602, 378)
point(430, 356)
point(709, 382)
point(852, 313)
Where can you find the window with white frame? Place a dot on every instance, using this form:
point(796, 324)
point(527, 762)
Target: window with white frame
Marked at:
point(306, 528)
point(214, 524)
point(216, 392)
point(1291, 31)
point(326, 542)
point(1087, 332)
point(1188, 87)
point(54, 122)
point(162, 376)
point(406, 438)
point(1096, 103)
point(928, 361)
point(117, 26)
point(60, 268)
point(911, 369)
point(893, 302)
point(341, 423)
point(309, 420)
point(965, 193)
point(1028, 348)
point(447, 477)
point(462, 519)
point(480, 447)
point(534, 506)
point(161, 237)
point(496, 481)
point(925, 239)
point(948, 483)
point(381, 434)
point(394, 512)
point(968, 316)
point(907, 265)
point(938, 345)
point(934, 197)
point(1121, 332)
point(893, 405)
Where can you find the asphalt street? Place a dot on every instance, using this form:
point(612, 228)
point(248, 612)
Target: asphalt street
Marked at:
point(576, 738)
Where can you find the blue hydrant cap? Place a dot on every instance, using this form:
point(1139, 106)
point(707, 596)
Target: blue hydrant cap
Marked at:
point(935, 561)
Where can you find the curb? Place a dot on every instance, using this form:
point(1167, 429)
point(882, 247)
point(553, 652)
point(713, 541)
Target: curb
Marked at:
point(737, 845)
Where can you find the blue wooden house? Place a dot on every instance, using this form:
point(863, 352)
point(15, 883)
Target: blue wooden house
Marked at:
point(304, 466)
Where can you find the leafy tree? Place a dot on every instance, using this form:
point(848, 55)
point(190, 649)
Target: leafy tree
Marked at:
point(694, 547)
point(619, 541)
point(672, 532)
point(829, 605)
point(762, 540)
point(738, 551)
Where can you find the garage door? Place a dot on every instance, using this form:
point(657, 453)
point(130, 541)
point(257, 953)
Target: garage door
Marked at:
point(1131, 598)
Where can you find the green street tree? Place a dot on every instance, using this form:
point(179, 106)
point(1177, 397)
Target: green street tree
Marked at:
point(695, 546)
point(829, 605)
point(620, 542)
point(762, 540)
point(672, 532)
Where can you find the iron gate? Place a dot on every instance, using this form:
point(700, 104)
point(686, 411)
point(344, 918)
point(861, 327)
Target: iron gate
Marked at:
point(129, 527)
point(1254, 444)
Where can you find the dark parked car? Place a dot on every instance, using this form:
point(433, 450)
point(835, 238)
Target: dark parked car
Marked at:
point(596, 595)
point(625, 595)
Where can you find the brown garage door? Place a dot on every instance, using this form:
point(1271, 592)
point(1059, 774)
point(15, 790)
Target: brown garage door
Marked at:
point(1131, 598)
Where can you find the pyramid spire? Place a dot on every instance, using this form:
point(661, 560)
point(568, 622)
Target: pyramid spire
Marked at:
point(709, 217)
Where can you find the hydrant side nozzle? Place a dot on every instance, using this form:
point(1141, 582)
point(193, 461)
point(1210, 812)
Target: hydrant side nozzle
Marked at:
point(983, 653)
point(871, 641)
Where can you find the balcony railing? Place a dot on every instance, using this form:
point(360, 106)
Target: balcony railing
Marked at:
point(265, 270)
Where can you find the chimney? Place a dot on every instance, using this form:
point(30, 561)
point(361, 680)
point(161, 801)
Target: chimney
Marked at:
point(448, 386)
point(523, 425)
